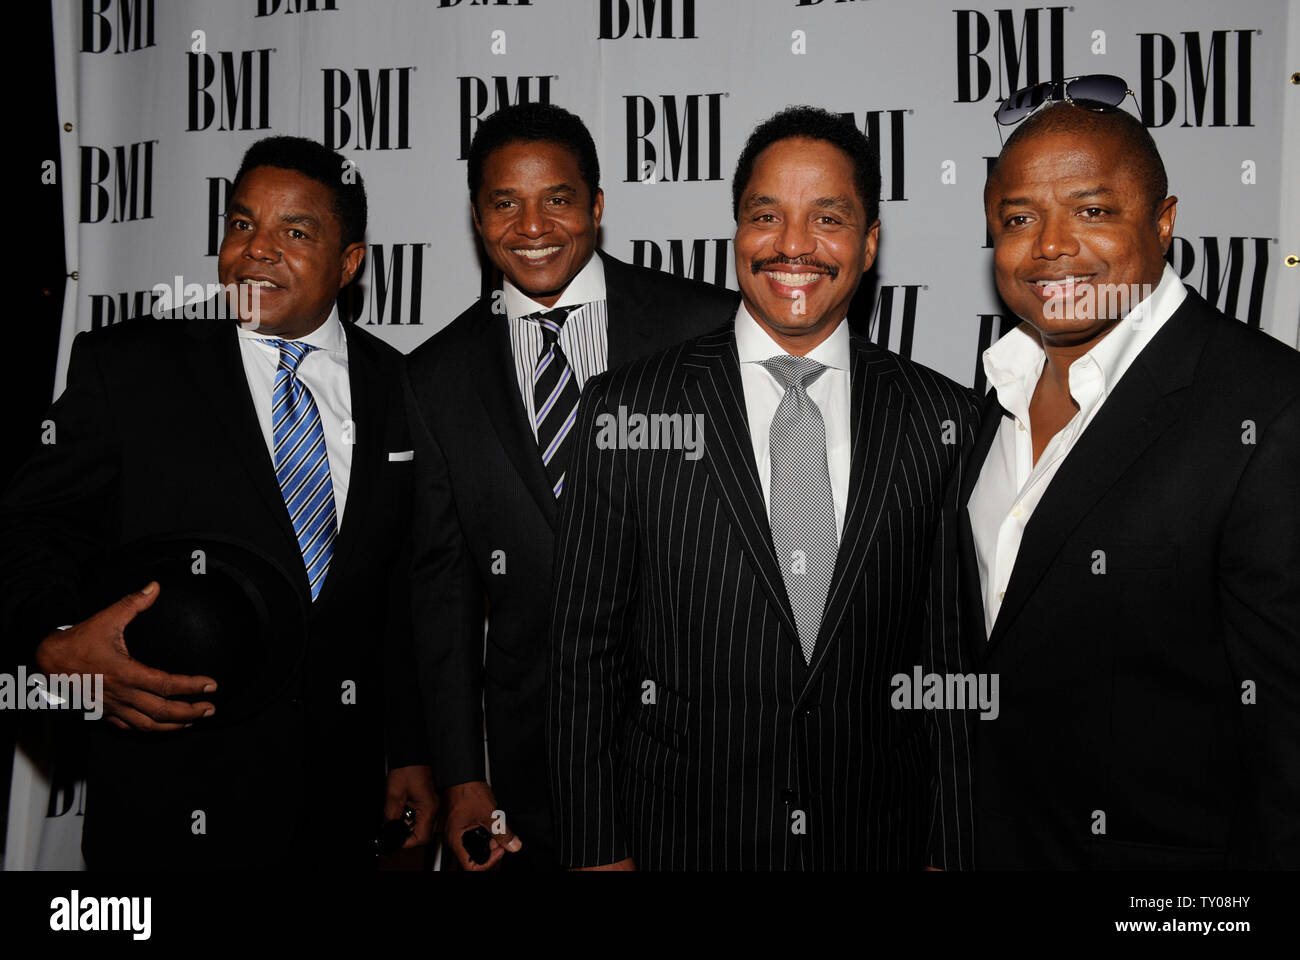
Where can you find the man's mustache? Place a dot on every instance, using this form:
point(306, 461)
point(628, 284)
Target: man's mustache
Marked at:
point(828, 268)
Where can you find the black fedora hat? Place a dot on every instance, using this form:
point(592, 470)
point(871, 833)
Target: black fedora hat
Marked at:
point(224, 610)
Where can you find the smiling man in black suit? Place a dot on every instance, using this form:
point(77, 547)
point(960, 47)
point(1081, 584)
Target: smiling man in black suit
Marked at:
point(286, 433)
point(1130, 532)
point(495, 395)
point(729, 620)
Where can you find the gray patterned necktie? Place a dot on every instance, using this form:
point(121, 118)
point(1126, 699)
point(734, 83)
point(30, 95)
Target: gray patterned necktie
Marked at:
point(802, 510)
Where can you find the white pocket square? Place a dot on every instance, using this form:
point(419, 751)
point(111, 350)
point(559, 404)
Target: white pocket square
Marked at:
point(401, 456)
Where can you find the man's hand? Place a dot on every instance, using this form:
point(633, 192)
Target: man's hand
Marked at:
point(470, 805)
point(624, 864)
point(135, 696)
point(413, 787)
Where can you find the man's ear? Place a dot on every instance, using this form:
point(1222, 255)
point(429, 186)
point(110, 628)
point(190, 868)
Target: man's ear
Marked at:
point(873, 239)
point(598, 207)
point(473, 212)
point(1166, 213)
point(353, 254)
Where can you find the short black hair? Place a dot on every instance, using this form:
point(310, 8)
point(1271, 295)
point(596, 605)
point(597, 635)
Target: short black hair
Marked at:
point(321, 164)
point(1135, 140)
point(534, 123)
point(814, 123)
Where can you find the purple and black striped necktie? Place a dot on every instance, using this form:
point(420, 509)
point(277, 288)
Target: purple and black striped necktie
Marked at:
point(555, 399)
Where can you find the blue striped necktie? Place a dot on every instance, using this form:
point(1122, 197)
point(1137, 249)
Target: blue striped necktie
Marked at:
point(301, 463)
point(555, 399)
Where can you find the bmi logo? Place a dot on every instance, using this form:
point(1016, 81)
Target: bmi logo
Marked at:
point(1017, 51)
point(124, 25)
point(478, 94)
point(243, 88)
point(218, 203)
point(375, 106)
point(1209, 72)
point(676, 19)
point(677, 138)
point(392, 288)
point(117, 181)
point(891, 322)
point(884, 128)
point(266, 8)
point(989, 163)
point(705, 260)
point(107, 309)
point(1221, 276)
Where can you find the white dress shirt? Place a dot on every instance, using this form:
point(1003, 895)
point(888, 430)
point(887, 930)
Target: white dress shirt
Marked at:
point(583, 338)
point(1010, 484)
point(830, 391)
point(324, 372)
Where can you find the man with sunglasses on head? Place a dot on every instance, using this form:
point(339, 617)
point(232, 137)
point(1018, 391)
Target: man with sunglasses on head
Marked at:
point(1129, 527)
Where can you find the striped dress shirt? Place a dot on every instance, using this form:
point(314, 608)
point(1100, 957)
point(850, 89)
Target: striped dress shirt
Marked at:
point(584, 337)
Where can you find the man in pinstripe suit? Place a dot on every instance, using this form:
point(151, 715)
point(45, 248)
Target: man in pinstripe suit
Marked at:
point(729, 614)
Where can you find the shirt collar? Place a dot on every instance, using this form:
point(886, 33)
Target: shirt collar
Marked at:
point(329, 336)
point(1017, 359)
point(754, 344)
point(587, 286)
point(1116, 351)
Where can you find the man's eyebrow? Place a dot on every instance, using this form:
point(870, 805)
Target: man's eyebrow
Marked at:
point(303, 218)
point(553, 188)
point(840, 204)
point(760, 200)
point(1086, 192)
point(1014, 202)
point(1083, 193)
point(239, 208)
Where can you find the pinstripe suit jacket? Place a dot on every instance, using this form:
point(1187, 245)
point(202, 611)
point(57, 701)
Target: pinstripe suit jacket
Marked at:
point(686, 729)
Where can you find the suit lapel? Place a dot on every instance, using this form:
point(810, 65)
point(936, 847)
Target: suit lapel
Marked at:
point(1147, 401)
point(629, 329)
point(990, 419)
point(713, 390)
point(878, 409)
point(367, 416)
point(972, 596)
point(493, 368)
point(216, 368)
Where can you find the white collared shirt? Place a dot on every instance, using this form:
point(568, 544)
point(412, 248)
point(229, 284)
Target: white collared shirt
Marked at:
point(324, 372)
point(1010, 484)
point(830, 391)
point(583, 338)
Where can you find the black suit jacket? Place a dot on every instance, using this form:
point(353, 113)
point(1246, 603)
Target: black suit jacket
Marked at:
point(484, 530)
point(157, 435)
point(1122, 691)
point(686, 729)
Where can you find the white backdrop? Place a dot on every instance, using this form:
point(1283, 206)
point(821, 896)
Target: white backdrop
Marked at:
point(159, 101)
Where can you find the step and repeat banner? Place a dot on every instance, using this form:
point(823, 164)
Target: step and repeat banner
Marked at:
point(158, 101)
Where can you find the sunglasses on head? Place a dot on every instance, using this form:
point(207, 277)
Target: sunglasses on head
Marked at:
point(1094, 91)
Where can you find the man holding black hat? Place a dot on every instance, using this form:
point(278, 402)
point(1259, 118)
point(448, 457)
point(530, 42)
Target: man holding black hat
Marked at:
point(257, 476)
